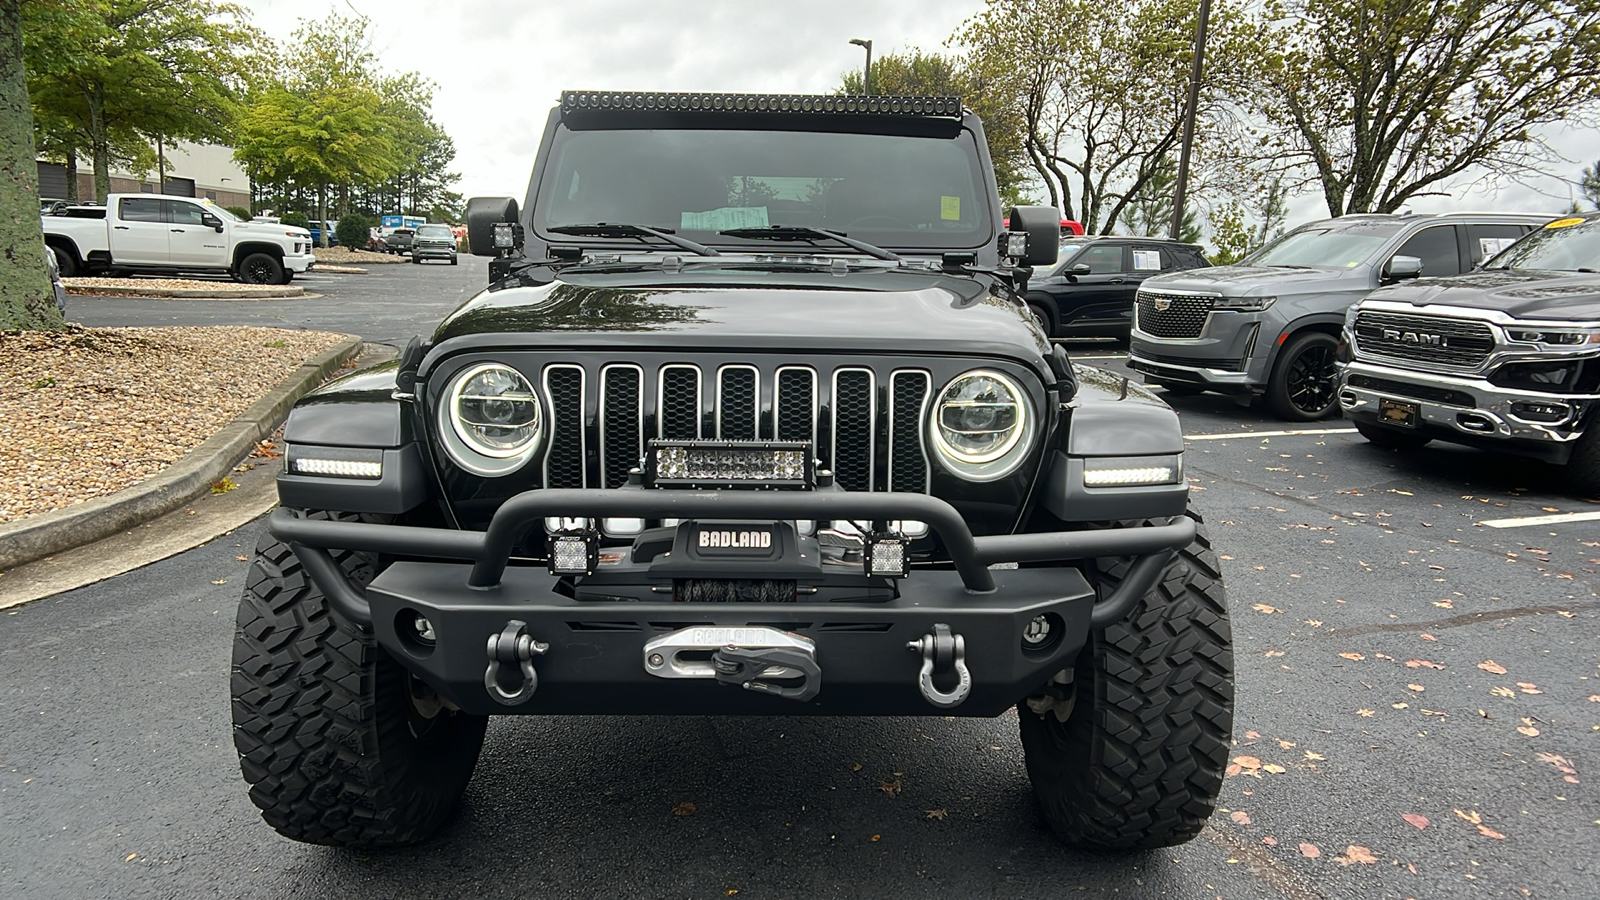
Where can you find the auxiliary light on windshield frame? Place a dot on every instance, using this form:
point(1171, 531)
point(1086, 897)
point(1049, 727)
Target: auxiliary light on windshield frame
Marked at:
point(801, 104)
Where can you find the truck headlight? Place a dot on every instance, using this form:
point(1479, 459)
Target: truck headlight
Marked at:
point(981, 428)
point(494, 419)
point(1243, 304)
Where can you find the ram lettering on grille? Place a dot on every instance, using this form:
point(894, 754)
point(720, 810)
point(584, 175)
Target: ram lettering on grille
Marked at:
point(865, 423)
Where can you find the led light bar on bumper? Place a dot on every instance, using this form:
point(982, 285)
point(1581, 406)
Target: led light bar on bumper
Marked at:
point(1132, 471)
point(733, 464)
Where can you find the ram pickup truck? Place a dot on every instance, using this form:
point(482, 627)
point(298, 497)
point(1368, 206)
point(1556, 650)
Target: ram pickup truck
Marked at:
point(157, 233)
point(751, 419)
point(1504, 358)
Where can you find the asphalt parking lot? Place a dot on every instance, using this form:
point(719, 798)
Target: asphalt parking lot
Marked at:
point(1418, 651)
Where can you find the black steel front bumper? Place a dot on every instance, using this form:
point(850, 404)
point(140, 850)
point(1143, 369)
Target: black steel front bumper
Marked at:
point(593, 658)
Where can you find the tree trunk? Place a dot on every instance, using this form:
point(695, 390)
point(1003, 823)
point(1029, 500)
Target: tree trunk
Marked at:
point(72, 174)
point(322, 215)
point(27, 300)
point(99, 143)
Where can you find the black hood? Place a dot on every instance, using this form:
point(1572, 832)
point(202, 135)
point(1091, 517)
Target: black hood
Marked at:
point(1522, 293)
point(721, 307)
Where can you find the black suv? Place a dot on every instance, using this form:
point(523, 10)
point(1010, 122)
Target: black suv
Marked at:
point(1089, 292)
point(751, 420)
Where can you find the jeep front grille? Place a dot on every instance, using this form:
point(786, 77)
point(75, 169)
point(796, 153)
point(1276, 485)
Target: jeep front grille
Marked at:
point(865, 422)
point(1458, 343)
point(1183, 317)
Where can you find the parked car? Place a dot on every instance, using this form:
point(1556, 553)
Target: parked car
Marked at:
point(1506, 358)
point(316, 232)
point(1269, 325)
point(157, 233)
point(399, 241)
point(433, 242)
point(1090, 292)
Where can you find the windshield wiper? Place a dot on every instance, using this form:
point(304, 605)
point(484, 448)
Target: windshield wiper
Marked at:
point(606, 229)
point(809, 235)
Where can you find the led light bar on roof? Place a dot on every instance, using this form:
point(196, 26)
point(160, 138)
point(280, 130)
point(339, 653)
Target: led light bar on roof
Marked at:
point(802, 104)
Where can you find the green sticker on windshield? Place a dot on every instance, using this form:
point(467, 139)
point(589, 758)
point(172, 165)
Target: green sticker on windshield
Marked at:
point(949, 207)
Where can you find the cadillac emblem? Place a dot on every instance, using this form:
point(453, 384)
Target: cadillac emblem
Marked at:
point(1162, 304)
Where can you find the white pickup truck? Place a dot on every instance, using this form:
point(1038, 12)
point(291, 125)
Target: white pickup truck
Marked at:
point(158, 233)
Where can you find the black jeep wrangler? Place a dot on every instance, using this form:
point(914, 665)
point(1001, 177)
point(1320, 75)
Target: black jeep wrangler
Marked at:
point(751, 420)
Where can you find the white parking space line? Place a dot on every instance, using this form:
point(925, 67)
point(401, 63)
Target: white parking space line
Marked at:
point(1261, 434)
point(1078, 356)
point(1540, 520)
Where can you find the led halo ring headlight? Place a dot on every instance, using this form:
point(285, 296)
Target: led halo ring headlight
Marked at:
point(981, 425)
point(495, 419)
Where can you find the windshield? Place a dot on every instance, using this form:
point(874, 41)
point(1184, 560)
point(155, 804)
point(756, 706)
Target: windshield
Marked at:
point(1337, 245)
point(887, 190)
point(435, 231)
point(1573, 247)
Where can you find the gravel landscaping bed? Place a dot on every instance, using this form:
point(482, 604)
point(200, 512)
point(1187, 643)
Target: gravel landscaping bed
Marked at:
point(134, 286)
point(90, 411)
point(345, 256)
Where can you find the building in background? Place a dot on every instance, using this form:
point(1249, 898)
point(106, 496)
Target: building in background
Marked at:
point(192, 170)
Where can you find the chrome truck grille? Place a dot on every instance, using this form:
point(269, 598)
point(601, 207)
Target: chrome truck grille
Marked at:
point(1171, 315)
point(1435, 340)
point(866, 422)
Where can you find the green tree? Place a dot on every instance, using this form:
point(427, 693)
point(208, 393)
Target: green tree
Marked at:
point(1231, 238)
point(1382, 100)
point(108, 72)
point(1150, 212)
point(26, 298)
point(1099, 90)
point(940, 75)
point(1589, 184)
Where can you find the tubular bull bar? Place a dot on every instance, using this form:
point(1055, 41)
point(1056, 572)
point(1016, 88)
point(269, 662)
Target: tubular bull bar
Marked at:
point(594, 664)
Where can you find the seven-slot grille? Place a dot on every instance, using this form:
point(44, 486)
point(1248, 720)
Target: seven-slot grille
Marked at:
point(1459, 343)
point(866, 423)
point(1172, 315)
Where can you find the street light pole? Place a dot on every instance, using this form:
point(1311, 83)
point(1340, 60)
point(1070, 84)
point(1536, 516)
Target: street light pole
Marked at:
point(1188, 118)
point(866, 77)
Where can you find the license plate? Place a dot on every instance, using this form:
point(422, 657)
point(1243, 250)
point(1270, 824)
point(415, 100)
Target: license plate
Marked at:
point(734, 540)
point(1398, 412)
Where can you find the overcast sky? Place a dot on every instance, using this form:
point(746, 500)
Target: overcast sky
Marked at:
point(500, 65)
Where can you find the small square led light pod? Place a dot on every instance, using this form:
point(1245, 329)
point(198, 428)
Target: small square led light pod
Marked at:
point(887, 555)
point(574, 553)
point(1014, 244)
point(507, 235)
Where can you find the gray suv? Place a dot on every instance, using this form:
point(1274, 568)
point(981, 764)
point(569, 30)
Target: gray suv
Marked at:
point(1270, 325)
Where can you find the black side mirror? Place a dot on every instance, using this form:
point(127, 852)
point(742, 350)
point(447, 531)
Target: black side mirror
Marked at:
point(1082, 269)
point(483, 214)
point(1402, 268)
point(1041, 226)
point(210, 221)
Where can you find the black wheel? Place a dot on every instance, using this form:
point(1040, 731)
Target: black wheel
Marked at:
point(1583, 467)
point(1304, 382)
point(1392, 438)
point(452, 260)
point(260, 268)
point(416, 261)
point(340, 744)
point(65, 262)
point(1130, 753)
point(1039, 307)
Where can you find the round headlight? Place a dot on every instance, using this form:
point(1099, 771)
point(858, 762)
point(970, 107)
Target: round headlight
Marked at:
point(980, 425)
point(495, 419)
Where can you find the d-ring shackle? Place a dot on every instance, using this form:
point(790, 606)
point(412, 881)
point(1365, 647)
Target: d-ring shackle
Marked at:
point(513, 646)
point(945, 650)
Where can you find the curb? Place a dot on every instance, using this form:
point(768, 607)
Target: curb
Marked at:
point(186, 293)
point(341, 270)
point(48, 533)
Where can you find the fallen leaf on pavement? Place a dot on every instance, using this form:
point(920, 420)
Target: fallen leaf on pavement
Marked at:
point(1274, 768)
point(1427, 637)
point(683, 809)
point(891, 788)
point(1264, 608)
point(1492, 667)
point(1486, 831)
point(242, 558)
point(1247, 762)
point(1270, 841)
point(855, 767)
point(939, 814)
point(1309, 851)
point(1422, 664)
point(1415, 687)
point(1472, 817)
point(1529, 687)
point(1239, 817)
point(1527, 728)
point(1506, 692)
point(1352, 656)
point(1315, 757)
point(1420, 821)
point(1355, 853)
point(876, 838)
point(219, 581)
point(1444, 604)
point(1364, 713)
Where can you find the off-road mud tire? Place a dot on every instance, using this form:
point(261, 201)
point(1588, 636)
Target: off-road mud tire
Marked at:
point(1139, 761)
point(1391, 439)
point(328, 736)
